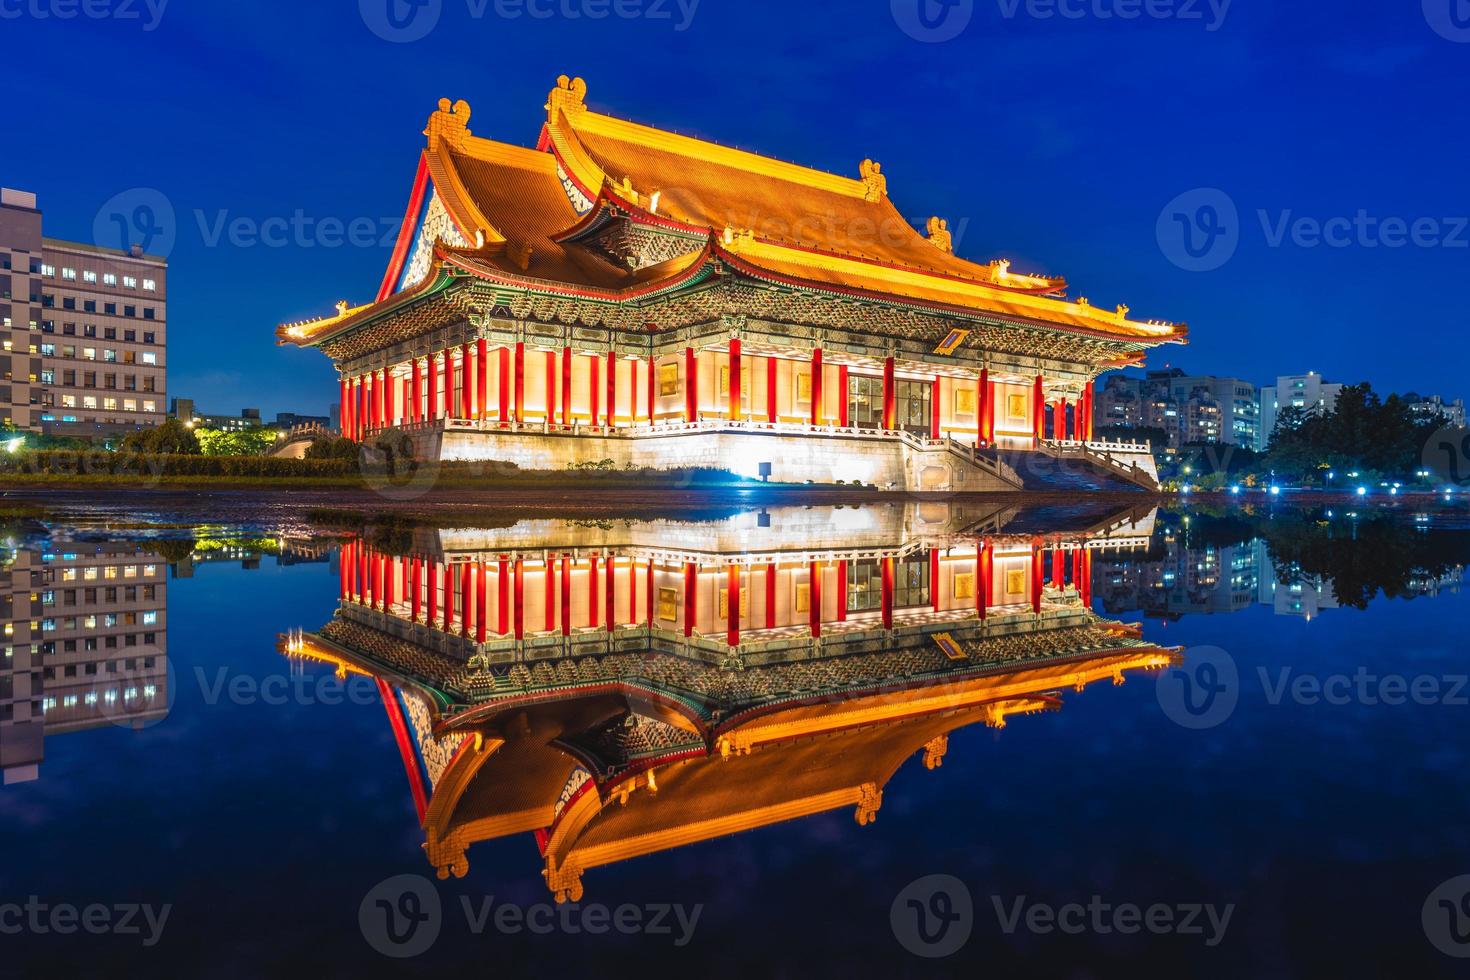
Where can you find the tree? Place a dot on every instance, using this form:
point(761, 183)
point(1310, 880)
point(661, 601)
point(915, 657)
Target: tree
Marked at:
point(171, 438)
point(237, 442)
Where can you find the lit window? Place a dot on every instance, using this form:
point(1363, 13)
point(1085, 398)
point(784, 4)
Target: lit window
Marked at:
point(69, 274)
point(150, 286)
point(129, 282)
point(48, 271)
point(149, 357)
point(89, 276)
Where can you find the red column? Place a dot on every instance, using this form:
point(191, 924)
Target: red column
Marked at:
point(551, 387)
point(520, 382)
point(433, 592)
point(612, 388)
point(503, 395)
point(844, 419)
point(842, 592)
point(451, 406)
point(550, 594)
point(343, 419)
point(990, 402)
point(466, 597)
point(610, 615)
point(415, 390)
point(984, 579)
point(467, 382)
point(448, 598)
point(1037, 578)
point(502, 597)
point(482, 602)
point(566, 597)
point(368, 415)
point(733, 601)
point(395, 411)
point(1038, 408)
point(632, 591)
point(594, 403)
point(771, 595)
point(648, 594)
point(652, 392)
point(934, 403)
point(691, 597)
point(431, 371)
point(482, 379)
point(519, 605)
point(890, 396)
point(934, 577)
point(592, 597)
point(771, 392)
point(888, 593)
point(814, 583)
point(736, 380)
point(416, 602)
point(691, 386)
point(1084, 577)
point(1059, 569)
point(379, 567)
point(818, 416)
point(566, 386)
point(984, 435)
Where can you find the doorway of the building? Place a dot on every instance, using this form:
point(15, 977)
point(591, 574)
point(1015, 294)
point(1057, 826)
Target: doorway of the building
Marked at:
point(914, 403)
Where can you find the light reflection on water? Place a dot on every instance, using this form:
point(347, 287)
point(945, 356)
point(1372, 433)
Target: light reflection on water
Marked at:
point(730, 725)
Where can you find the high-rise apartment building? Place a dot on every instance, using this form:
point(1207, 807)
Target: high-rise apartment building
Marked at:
point(83, 330)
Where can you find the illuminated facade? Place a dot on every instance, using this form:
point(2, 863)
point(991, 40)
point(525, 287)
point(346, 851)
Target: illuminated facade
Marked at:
point(622, 690)
point(85, 646)
point(625, 293)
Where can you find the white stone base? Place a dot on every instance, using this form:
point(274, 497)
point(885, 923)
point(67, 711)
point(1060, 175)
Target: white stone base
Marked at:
point(884, 461)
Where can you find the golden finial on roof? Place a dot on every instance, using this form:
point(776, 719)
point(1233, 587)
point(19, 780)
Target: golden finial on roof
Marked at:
point(451, 123)
point(1002, 268)
point(877, 183)
point(342, 306)
point(570, 95)
point(1122, 312)
point(939, 235)
point(1084, 302)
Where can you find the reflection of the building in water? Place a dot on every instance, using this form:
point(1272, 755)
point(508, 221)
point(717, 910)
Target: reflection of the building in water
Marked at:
point(84, 645)
point(619, 689)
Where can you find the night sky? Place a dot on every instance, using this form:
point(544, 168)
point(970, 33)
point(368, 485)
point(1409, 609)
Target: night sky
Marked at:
point(1061, 142)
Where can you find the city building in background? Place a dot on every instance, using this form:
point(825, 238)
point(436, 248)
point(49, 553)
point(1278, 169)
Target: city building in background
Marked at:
point(183, 409)
point(1188, 408)
point(83, 330)
point(627, 293)
point(85, 645)
point(1305, 391)
point(1432, 406)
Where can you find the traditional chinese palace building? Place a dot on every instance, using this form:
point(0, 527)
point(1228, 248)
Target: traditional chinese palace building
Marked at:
point(618, 691)
point(622, 292)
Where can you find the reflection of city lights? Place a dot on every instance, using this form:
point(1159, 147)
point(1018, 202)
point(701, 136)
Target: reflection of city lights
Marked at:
point(1362, 491)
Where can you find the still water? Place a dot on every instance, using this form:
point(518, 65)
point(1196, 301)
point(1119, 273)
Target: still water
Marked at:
point(907, 739)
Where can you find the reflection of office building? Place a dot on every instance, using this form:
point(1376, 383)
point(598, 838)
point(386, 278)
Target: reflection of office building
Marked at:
point(621, 292)
point(1184, 581)
point(622, 690)
point(85, 645)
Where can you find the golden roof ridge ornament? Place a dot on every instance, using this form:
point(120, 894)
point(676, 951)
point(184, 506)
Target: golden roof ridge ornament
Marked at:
point(873, 177)
point(451, 123)
point(939, 235)
point(570, 96)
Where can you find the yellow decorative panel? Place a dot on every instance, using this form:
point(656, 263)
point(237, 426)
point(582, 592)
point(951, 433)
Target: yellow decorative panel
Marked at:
point(1016, 582)
point(964, 585)
point(964, 401)
point(1017, 406)
point(804, 387)
point(668, 605)
point(668, 380)
point(725, 603)
point(803, 598)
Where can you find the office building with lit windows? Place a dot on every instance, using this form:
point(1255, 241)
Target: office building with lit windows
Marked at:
point(83, 330)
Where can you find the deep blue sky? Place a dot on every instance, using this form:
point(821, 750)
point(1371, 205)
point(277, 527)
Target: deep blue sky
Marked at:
point(1055, 142)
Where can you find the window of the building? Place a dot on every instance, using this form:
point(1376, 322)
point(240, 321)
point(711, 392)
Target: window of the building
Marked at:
point(129, 282)
point(150, 286)
point(109, 279)
point(69, 274)
point(89, 276)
